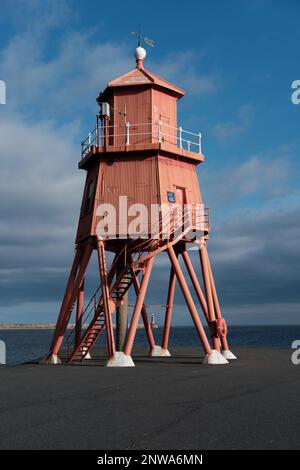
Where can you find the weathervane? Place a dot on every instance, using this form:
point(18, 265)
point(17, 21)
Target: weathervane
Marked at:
point(148, 41)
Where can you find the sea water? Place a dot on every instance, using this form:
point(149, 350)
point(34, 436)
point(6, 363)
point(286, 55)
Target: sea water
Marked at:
point(27, 345)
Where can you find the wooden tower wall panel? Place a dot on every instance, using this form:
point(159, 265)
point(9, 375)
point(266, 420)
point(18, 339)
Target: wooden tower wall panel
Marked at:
point(135, 178)
point(164, 109)
point(175, 173)
point(87, 207)
point(137, 104)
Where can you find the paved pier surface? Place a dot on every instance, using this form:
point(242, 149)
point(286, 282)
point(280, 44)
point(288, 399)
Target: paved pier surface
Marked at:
point(170, 403)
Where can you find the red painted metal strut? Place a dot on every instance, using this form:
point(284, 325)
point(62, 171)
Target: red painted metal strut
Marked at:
point(138, 307)
point(189, 300)
point(169, 309)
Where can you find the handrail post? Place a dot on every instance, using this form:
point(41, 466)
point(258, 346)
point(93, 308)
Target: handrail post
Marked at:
point(180, 137)
point(101, 134)
point(200, 142)
point(189, 145)
point(97, 131)
point(208, 217)
point(159, 131)
point(90, 140)
point(106, 131)
point(127, 133)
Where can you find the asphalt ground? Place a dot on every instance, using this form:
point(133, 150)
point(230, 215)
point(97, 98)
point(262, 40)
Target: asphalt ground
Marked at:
point(162, 403)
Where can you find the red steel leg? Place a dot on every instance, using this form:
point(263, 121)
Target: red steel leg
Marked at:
point(216, 301)
point(209, 297)
point(70, 285)
point(189, 300)
point(79, 312)
point(106, 301)
point(169, 309)
point(147, 324)
point(196, 284)
point(138, 307)
point(69, 306)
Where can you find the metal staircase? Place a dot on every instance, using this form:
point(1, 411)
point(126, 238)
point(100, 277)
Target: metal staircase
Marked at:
point(97, 325)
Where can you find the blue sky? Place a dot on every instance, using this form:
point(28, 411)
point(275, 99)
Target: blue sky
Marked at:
point(236, 61)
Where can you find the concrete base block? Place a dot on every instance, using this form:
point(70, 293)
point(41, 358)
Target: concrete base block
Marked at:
point(215, 358)
point(120, 360)
point(88, 356)
point(52, 359)
point(158, 351)
point(228, 354)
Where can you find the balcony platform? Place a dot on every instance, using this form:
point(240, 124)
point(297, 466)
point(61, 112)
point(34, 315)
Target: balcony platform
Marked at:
point(164, 147)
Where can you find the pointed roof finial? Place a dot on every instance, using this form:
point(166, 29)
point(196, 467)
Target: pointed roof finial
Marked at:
point(140, 53)
point(140, 36)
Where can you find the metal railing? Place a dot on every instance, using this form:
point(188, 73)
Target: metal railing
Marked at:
point(159, 222)
point(141, 133)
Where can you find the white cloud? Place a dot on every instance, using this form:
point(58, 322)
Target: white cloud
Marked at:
point(67, 84)
point(37, 16)
point(64, 86)
point(179, 67)
point(265, 174)
point(227, 130)
point(42, 191)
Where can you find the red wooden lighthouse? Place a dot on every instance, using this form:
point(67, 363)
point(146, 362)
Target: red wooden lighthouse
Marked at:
point(141, 198)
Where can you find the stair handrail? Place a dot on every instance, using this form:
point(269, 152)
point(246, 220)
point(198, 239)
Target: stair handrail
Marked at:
point(87, 313)
point(170, 212)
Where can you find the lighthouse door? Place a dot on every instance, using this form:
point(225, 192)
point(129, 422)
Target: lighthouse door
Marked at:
point(179, 207)
point(180, 196)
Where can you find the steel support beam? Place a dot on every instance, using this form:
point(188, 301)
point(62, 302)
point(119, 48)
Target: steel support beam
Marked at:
point(138, 307)
point(189, 300)
point(121, 315)
point(69, 287)
point(194, 279)
point(147, 325)
point(79, 312)
point(216, 301)
point(67, 311)
point(209, 297)
point(106, 299)
point(169, 309)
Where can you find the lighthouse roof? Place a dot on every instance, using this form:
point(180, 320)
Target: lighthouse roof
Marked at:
point(141, 76)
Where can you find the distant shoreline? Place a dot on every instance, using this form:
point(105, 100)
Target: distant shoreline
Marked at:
point(51, 326)
point(42, 326)
point(29, 326)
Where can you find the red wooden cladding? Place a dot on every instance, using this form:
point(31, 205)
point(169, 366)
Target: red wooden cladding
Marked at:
point(134, 178)
point(145, 175)
point(164, 109)
point(132, 105)
point(143, 180)
point(174, 173)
